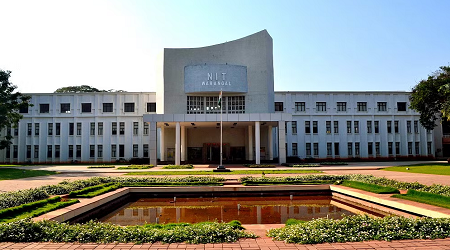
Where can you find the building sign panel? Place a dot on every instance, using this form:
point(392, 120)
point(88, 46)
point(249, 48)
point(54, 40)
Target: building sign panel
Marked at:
point(215, 77)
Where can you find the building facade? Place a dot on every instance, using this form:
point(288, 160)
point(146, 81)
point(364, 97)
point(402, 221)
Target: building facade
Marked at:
point(228, 85)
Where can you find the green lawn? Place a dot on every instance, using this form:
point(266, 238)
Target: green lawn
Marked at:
point(436, 168)
point(14, 173)
point(210, 172)
point(424, 197)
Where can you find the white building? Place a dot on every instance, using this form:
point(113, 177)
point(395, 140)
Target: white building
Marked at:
point(184, 111)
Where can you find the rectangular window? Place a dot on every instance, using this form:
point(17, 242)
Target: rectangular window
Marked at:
point(8, 131)
point(336, 148)
point(321, 106)
point(145, 128)
point(362, 106)
point(135, 128)
point(86, 108)
point(397, 148)
point(377, 148)
point(129, 107)
point(294, 127)
point(36, 151)
point(50, 129)
point(71, 128)
point(341, 106)
point(78, 151)
point(417, 148)
point(401, 106)
point(65, 108)
point(57, 151)
point(49, 151)
point(8, 152)
point(396, 126)
point(235, 104)
point(29, 128)
point(23, 110)
point(369, 127)
point(78, 128)
point(389, 126)
point(113, 150)
point(36, 129)
point(58, 128)
point(377, 127)
point(151, 106)
point(15, 151)
point(122, 128)
point(44, 108)
point(429, 148)
point(356, 126)
point(92, 151)
point(107, 107)
point(300, 106)
point(145, 150)
point(336, 127)
point(294, 149)
point(408, 127)
point(370, 148)
point(114, 128)
point(16, 131)
point(357, 148)
point(100, 128)
point(382, 106)
point(307, 127)
point(316, 148)
point(135, 150)
point(28, 151)
point(349, 127)
point(279, 106)
point(315, 128)
point(350, 149)
point(328, 127)
point(329, 149)
point(416, 127)
point(390, 148)
point(410, 148)
point(121, 150)
point(195, 104)
point(92, 130)
point(99, 151)
point(70, 151)
point(308, 149)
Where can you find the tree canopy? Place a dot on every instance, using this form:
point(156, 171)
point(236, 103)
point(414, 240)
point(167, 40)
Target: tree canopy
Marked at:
point(83, 89)
point(431, 97)
point(10, 104)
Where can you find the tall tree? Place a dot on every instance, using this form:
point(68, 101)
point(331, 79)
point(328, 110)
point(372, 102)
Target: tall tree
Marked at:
point(10, 104)
point(431, 97)
point(83, 89)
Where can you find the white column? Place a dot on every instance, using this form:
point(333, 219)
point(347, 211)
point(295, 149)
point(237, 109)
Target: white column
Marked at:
point(281, 143)
point(250, 143)
point(257, 143)
point(177, 144)
point(269, 142)
point(183, 143)
point(162, 149)
point(152, 147)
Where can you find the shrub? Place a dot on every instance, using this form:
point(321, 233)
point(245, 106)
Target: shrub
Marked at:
point(305, 165)
point(292, 221)
point(187, 166)
point(259, 166)
point(137, 167)
point(102, 166)
point(333, 163)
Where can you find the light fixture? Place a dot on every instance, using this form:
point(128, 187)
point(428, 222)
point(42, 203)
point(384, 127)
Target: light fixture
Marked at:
point(193, 124)
point(167, 124)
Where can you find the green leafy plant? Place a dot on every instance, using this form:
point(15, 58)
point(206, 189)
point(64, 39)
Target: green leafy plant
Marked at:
point(137, 167)
point(188, 166)
point(292, 221)
point(102, 166)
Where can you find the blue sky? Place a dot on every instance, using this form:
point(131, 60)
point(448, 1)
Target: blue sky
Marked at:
point(318, 45)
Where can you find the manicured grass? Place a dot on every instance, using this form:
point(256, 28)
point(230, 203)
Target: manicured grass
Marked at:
point(136, 167)
point(370, 187)
point(13, 173)
point(424, 197)
point(210, 172)
point(435, 168)
point(11, 165)
point(102, 166)
point(93, 191)
point(250, 183)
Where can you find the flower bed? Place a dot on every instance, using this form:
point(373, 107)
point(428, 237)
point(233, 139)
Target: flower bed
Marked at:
point(188, 166)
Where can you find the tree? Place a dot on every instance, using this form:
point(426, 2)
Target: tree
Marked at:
point(10, 103)
point(431, 98)
point(83, 89)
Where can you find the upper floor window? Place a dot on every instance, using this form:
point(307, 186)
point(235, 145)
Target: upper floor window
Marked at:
point(44, 108)
point(279, 106)
point(107, 107)
point(401, 106)
point(23, 110)
point(362, 106)
point(86, 107)
point(341, 106)
point(151, 106)
point(321, 106)
point(300, 106)
point(294, 127)
point(65, 107)
point(382, 106)
point(129, 107)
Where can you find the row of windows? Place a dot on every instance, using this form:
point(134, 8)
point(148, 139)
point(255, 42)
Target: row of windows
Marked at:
point(87, 107)
point(56, 151)
point(56, 128)
point(371, 127)
point(356, 148)
point(210, 104)
point(340, 106)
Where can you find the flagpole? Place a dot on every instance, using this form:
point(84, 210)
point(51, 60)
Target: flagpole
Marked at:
point(221, 144)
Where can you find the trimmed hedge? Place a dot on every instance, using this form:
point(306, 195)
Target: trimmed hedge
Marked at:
point(137, 167)
point(187, 166)
point(259, 165)
point(93, 191)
